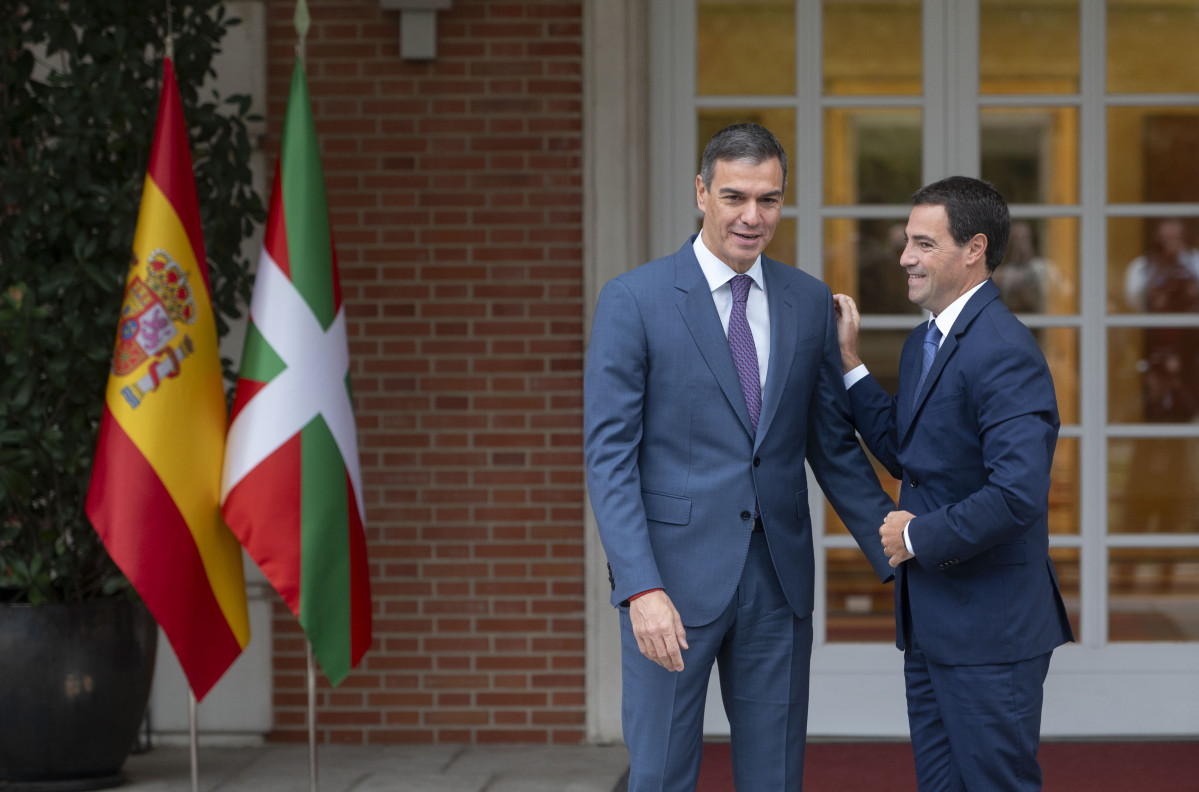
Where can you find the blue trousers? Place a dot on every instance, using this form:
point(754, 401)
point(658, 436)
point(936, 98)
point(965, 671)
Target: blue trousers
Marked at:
point(763, 653)
point(975, 727)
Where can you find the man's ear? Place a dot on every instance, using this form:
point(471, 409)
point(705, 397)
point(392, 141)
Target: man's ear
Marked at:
point(976, 249)
point(699, 192)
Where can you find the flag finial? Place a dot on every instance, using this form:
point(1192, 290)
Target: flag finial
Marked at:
point(301, 20)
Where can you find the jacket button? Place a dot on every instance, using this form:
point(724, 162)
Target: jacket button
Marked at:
point(747, 515)
point(757, 461)
point(913, 482)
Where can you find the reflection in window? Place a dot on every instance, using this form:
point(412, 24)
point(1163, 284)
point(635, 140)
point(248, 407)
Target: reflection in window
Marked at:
point(1039, 272)
point(1069, 580)
point(1151, 154)
point(871, 156)
point(745, 47)
point(859, 608)
point(1151, 485)
point(872, 47)
point(1151, 47)
point(1028, 47)
point(1030, 154)
point(861, 259)
point(1153, 593)
point(1153, 374)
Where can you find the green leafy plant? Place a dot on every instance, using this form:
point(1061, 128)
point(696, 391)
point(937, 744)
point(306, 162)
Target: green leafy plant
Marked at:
point(79, 88)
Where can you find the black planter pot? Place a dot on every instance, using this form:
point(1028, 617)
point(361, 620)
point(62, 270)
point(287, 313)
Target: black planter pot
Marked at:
point(74, 681)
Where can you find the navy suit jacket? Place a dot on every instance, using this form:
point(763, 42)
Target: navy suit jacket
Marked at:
point(973, 450)
point(673, 465)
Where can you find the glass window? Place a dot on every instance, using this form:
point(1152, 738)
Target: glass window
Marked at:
point(1151, 485)
point(1151, 46)
point(1153, 374)
point(1152, 155)
point(745, 47)
point(861, 259)
point(872, 47)
point(859, 609)
point(1153, 265)
point(1153, 593)
point(1028, 47)
point(1030, 154)
point(1069, 581)
point(1039, 273)
point(871, 155)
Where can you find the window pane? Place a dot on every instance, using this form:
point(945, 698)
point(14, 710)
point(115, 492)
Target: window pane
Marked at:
point(1151, 485)
point(861, 259)
point(1039, 273)
point(1030, 154)
point(1064, 482)
point(745, 47)
point(1069, 578)
point(782, 245)
point(1153, 594)
point(1028, 47)
point(1151, 154)
point(859, 609)
point(1060, 346)
point(1153, 374)
point(1151, 47)
point(871, 155)
point(1153, 265)
point(872, 47)
point(780, 121)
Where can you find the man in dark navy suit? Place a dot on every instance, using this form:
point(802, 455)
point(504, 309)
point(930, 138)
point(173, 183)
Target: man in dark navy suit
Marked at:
point(971, 435)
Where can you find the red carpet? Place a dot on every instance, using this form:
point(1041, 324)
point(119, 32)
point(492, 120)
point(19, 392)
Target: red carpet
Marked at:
point(1065, 766)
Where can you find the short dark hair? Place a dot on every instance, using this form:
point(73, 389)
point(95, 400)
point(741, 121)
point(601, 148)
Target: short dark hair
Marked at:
point(974, 207)
point(741, 142)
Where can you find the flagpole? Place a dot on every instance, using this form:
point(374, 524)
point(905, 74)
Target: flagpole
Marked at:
point(195, 739)
point(311, 719)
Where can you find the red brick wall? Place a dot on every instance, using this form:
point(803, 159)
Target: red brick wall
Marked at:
point(455, 193)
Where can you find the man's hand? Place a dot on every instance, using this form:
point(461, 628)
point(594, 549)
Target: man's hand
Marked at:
point(659, 629)
point(891, 534)
point(848, 324)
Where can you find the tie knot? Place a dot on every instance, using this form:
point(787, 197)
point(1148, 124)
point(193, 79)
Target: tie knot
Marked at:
point(740, 286)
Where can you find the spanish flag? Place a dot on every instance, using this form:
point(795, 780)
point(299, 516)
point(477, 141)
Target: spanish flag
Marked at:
point(154, 496)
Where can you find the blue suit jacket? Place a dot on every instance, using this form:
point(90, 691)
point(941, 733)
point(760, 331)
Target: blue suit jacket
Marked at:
point(974, 453)
point(673, 466)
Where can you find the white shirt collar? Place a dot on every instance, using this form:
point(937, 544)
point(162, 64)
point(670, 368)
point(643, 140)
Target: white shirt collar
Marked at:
point(947, 317)
point(717, 272)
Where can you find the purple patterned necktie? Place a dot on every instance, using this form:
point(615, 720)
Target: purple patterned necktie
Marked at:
point(745, 353)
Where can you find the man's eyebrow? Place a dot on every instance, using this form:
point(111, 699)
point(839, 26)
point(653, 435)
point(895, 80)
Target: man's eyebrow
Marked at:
point(733, 191)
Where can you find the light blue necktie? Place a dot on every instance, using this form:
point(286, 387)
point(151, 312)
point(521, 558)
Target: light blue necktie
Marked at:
point(932, 340)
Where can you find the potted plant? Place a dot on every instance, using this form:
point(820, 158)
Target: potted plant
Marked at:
point(79, 86)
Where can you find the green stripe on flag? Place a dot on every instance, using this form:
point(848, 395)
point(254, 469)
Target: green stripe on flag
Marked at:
point(259, 362)
point(309, 244)
point(325, 552)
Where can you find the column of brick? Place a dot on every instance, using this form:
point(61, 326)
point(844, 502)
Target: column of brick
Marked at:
point(455, 189)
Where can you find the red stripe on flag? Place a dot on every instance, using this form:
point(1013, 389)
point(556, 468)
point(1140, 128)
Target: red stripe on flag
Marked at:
point(246, 390)
point(264, 511)
point(360, 584)
point(275, 241)
point(162, 561)
point(171, 165)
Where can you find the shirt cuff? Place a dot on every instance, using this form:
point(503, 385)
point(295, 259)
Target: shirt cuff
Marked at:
point(643, 593)
point(855, 375)
point(907, 540)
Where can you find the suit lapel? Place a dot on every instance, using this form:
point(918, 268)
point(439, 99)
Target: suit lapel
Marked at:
point(703, 322)
point(974, 306)
point(784, 329)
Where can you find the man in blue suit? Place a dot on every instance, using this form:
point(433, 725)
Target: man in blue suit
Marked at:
point(711, 375)
point(971, 435)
